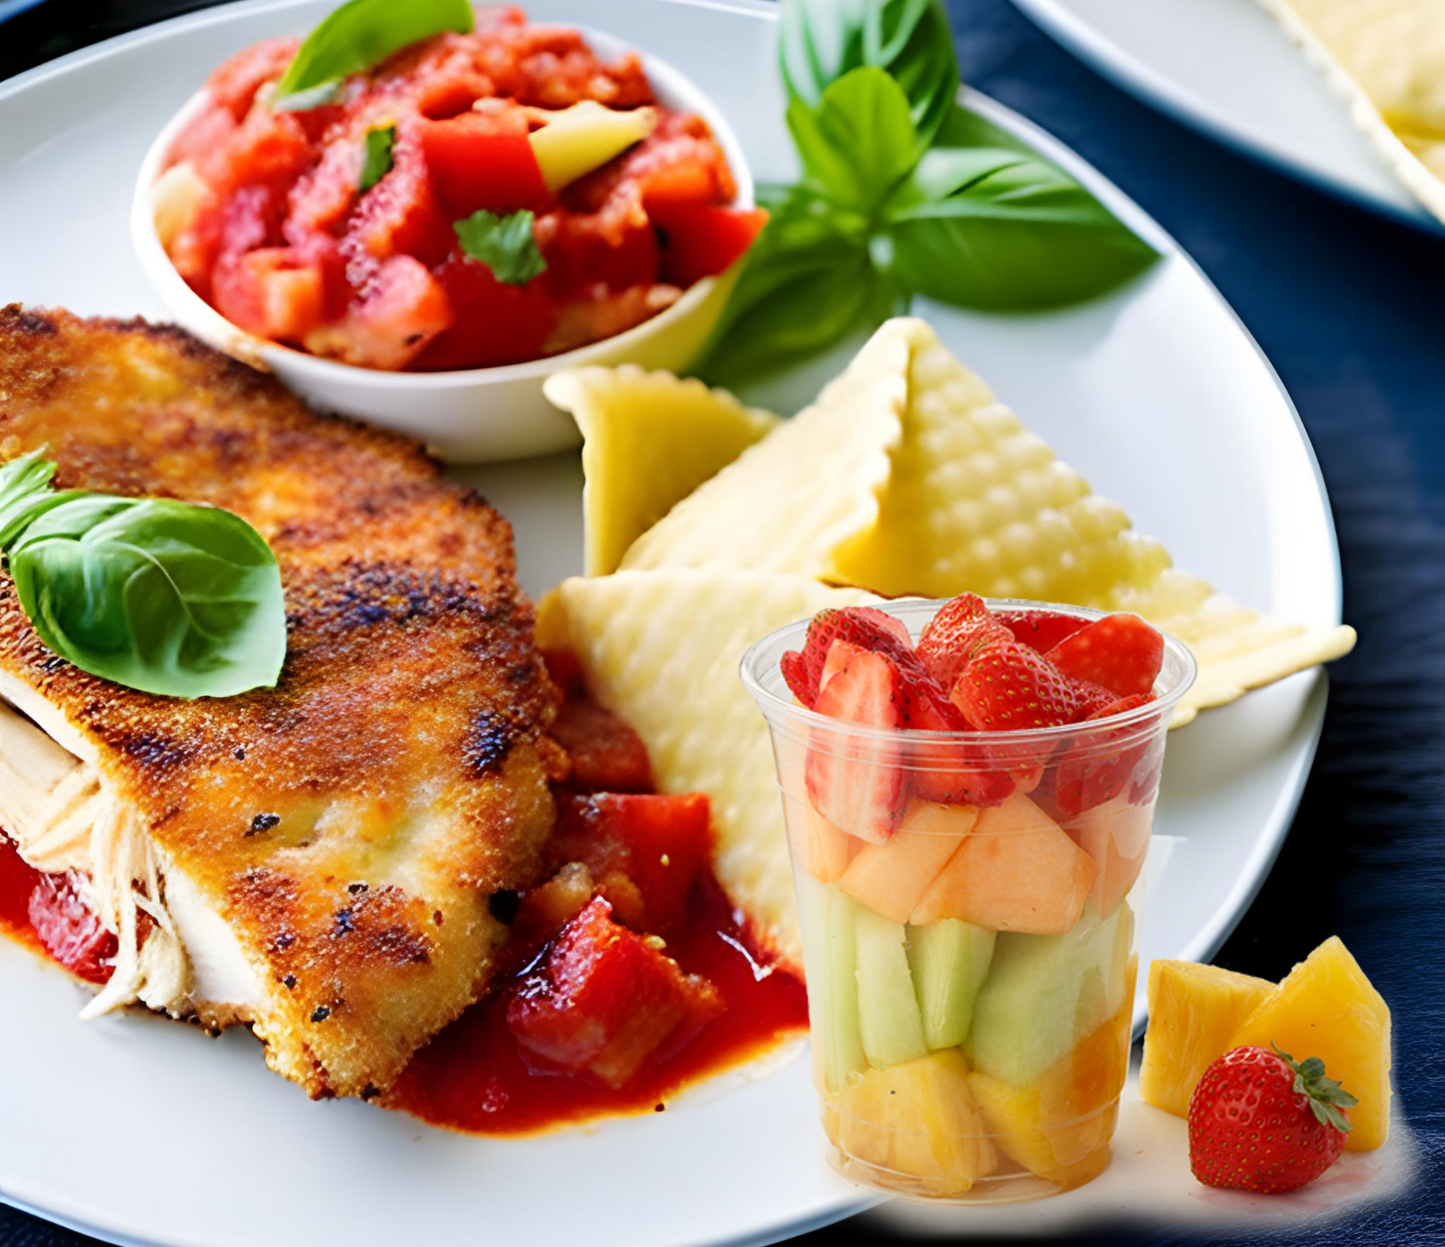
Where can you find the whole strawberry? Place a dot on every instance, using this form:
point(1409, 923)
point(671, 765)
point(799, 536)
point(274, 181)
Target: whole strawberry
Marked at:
point(1260, 1121)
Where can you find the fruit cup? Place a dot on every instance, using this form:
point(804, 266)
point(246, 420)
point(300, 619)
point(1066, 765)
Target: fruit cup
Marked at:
point(969, 902)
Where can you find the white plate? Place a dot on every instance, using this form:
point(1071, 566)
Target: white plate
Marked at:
point(1227, 68)
point(140, 1130)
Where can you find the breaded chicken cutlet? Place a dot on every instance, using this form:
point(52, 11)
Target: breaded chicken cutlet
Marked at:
point(316, 859)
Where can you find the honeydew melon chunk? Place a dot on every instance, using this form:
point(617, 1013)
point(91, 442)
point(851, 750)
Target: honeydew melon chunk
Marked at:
point(892, 878)
point(949, 960)
point(1044, 993)
point(891, 1025)
point(830, 953)
point(586, 136)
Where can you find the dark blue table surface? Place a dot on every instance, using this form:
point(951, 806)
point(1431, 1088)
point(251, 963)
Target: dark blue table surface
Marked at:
point(1350, 308)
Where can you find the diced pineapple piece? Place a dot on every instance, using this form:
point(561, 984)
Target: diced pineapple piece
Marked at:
point(1194, 1011)
point(649, 440)
point(586, 136)
point(177, 198)
point(916, 1121)
point(1327, 1008)
point(1059, 1128)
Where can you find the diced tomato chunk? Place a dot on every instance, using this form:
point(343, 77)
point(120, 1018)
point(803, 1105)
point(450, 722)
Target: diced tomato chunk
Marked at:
point(607, 755)
point(662, 843)
point(400, 214)
point(207, 132)
point(476, 162)
point(606, 1000)
point(69, 931)
point(268, 148)
point(494, 323)
point(271, 292)
point(391, 322)
point(234, 82)
point(324, 195)
point(703, 240)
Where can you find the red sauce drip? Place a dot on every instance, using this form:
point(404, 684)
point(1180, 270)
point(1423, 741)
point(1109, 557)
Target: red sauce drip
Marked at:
point(475, 1077)
point(17, 882)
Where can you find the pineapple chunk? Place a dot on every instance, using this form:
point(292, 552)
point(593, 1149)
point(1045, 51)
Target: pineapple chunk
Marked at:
point(1194, 1011)
point(586, 136)
point(917, 1122)
point(1059, 1128)
point(1327, 1008)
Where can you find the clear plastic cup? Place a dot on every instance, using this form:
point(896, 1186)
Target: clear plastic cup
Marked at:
point(970, 979)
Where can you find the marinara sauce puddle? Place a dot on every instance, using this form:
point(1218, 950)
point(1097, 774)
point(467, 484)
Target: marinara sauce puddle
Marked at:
point(17, 882)
point(475, 1077)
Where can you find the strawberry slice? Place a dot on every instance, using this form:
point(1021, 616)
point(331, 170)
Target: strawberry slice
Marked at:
point(858, 784)
point(924, 701)
point(840, 654)
point(960, 631)
point(1093, 698)
point(1094, 772)
point(858, 625)
point(1011, 688)
point(1121, 652)
point(1040, 630)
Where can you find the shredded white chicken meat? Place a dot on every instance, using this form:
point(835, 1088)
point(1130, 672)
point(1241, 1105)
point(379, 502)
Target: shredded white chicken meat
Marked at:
point(65, 820)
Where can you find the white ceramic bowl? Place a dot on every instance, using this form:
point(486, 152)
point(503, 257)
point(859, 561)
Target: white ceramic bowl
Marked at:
point(473, 415)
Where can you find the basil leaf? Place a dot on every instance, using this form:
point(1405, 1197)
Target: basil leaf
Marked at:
point(505, 244)
point(377, 162)
point(364, 33)
point(821, 40)
point(807, 283)
point(1001, 230)
point(857, 145)
point(158, 595)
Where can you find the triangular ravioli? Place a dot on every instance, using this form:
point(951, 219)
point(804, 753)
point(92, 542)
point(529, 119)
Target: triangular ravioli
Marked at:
point(806, 488)
point(649, 440)
point(662, 650)
point(1386, 59)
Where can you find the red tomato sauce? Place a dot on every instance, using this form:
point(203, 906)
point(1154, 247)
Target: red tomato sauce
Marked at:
point(275, 229)
point(17, 882)
point(475, 1077)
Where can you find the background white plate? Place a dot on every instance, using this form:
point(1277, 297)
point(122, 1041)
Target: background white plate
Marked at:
point(1227, 68)
point(141, 1130)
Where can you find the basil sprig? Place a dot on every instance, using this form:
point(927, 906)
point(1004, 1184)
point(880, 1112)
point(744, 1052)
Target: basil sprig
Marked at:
point(162, 596)
point(358, 35)
point(902, 192)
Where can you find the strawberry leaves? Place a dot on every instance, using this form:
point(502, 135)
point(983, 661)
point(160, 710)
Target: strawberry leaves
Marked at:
point(1327, 1098)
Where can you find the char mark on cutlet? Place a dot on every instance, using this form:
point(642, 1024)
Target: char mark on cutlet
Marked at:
point(14, 316)
point(366, 595)
point(489, 740)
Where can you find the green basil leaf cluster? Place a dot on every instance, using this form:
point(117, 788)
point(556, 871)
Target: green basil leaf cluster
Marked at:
point(902, 192)
point(358, 35)
point(505, 244)
point(162, 596)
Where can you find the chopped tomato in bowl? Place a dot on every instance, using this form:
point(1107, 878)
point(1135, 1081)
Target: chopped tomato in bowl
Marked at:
point(423, 244)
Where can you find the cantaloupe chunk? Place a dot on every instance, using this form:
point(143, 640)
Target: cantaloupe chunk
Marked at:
point(1194, 1012)
point(1016, 870)
point(891, 878)
point(819, 847)
point(918, 1123)
point(1327, 1008)
point(1116, 836)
